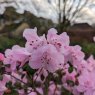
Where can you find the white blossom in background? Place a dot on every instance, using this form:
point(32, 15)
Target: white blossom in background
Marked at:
point(47, 9)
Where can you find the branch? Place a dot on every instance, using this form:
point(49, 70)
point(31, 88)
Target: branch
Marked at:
point(64, 9)
point(78, 9)
point(70, 8)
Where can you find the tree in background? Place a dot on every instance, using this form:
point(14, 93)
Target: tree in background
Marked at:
point(64, 11)
point(69, 10)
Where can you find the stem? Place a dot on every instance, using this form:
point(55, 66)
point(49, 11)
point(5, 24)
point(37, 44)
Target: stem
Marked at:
point(38, 74)
point(18, 79)
point(55, 90)
point(33, 84)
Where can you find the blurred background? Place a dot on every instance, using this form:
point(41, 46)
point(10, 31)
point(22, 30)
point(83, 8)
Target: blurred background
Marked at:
point(76, 17)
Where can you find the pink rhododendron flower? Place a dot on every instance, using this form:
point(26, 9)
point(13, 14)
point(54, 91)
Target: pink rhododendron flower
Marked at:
point(59, 41)
point(86, 81)
point(54, 89)
point(69, 76)
point(21, 92)
point(40, 90)
point(90, 63)
point(33, 40)
point(47, 57)
point(6, 78)
point(32, 93)
point(1, 57)
point(74, 56)
point(16, 56)
point(54, 38)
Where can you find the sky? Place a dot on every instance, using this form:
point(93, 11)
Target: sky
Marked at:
point(49, 9)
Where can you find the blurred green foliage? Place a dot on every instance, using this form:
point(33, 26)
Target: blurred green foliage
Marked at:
point(6, 42)
point(87, 47)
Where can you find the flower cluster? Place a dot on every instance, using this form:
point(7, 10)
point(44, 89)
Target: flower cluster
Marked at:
point(47, 65)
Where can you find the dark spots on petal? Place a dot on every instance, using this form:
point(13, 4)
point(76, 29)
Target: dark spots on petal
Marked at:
point(59, 44)
point(77, 82)
point(18, 62)
point(47, 62)
point(29, 55)
point(35, 48)
point(31, 44)
point(47, 42)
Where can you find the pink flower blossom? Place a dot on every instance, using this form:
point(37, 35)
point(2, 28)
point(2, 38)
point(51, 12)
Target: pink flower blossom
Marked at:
point(54, 38)
point(33, 40)
point(59, 41)
point(54, 89)
point(6, 78)
point(75, 56)
point(46, 57)
point(86, 82)
point(16, 56)
point(1, 57)
point(90, 63)
point(32, 93)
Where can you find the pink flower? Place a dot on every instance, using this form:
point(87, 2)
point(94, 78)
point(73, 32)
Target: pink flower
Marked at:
point(1, 57)
point(69, 76)
point(90, 63)
point(86, 82)
point(16, 56)
point(47, 57)
point(32, 93)
point(59, 41)
point(40, 90)
point(33, 40)
point(21, 92)
point(6, 78)
point(74, 55)
point(54, 89)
